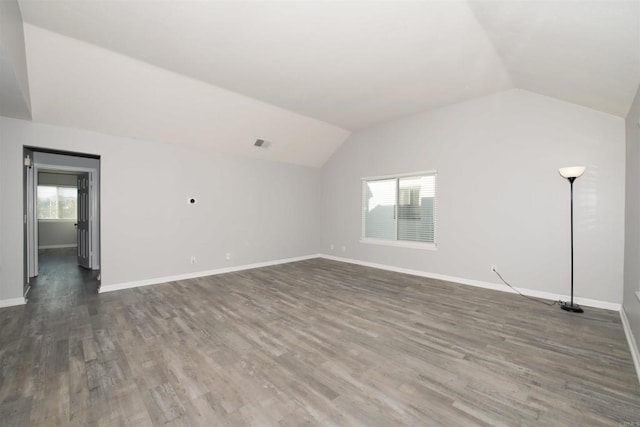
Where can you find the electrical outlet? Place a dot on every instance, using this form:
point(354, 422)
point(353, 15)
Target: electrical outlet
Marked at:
point(494, 267)
point(332, 246)
point(344, 249)
point(227, 256)
point(193, 259)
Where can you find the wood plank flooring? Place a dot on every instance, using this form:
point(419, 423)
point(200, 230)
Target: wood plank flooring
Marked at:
point(312, 343)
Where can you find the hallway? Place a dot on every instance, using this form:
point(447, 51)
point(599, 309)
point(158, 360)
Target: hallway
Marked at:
point(60, 280)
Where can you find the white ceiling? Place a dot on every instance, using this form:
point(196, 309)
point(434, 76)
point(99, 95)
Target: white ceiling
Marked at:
point(585, 52)
point(78, 85)
point(332, 65)
point(347, 63)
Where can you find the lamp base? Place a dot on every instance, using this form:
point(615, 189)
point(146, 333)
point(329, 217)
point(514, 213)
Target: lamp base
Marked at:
point(574, 308)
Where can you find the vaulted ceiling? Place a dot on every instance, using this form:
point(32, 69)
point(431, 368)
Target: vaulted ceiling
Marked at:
point(303, 75)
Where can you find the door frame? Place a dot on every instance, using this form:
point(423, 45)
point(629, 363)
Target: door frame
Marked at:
point(27, 190)
point(93, 206)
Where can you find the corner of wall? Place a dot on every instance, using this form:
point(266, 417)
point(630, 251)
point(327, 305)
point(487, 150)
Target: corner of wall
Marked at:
point(633, 346)
point(630, 312)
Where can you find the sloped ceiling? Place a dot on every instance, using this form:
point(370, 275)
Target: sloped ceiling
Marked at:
point(79, 85)
point(304, 74)
point(14, 81)
point(587, 53)
point(12, 101)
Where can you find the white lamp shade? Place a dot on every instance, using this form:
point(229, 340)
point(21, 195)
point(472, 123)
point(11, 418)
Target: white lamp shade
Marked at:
point(572, 171)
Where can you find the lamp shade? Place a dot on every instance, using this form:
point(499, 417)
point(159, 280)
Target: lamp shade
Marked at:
point(571, 171)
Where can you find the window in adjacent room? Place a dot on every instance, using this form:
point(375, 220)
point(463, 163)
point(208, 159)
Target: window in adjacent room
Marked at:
point(57, 202)
point(400, 210)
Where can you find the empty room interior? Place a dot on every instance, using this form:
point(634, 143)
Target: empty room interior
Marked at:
point(319, 213)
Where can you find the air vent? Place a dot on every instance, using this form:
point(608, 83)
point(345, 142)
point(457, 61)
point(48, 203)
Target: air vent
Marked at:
point(261, 143)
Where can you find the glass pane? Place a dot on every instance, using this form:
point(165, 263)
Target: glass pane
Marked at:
point(47, 202)
point(380, 209)
point(67, 202)
point(416, 208)
point(57, 202)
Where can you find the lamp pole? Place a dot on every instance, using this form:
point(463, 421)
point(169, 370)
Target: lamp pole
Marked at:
point(571, 174)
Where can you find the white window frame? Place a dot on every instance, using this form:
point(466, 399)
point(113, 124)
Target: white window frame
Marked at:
point(399, 243)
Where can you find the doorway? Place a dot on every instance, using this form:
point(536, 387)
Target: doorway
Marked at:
point(62, 223)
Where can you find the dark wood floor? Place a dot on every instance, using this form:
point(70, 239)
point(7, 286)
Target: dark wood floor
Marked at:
point(312, 342)
point(60, 280)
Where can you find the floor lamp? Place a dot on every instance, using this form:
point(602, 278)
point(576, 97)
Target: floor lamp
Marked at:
point(571, 173)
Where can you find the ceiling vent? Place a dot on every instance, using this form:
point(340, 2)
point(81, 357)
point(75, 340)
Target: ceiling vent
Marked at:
point(261, 143)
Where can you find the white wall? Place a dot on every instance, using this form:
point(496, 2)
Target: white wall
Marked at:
point(256, 210)
point(631, 303)
point(2, 223)
point(56, 234)
point(500, 198)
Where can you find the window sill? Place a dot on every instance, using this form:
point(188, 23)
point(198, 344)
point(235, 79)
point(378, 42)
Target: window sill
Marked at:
point(401, 244)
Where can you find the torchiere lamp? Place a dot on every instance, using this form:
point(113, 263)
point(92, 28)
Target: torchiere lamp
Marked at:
point(571, 173)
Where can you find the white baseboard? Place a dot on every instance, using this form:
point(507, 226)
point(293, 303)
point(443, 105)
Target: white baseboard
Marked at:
point(157, 280)
point(57, 246)
point(633, 346)
point(12, 302)
point(487, 285)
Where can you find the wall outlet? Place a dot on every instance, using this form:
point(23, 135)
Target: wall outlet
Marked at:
point(344, 249)
point(227, 256)
point(494, 267)
point(193, 259)
point(332, 246)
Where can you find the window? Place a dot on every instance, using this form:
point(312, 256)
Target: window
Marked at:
point(400, 210)
point(57, 202)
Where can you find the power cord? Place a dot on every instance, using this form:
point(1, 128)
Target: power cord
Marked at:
point(526, 296)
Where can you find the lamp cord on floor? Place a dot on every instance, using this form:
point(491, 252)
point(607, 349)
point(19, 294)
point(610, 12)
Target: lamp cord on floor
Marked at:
point(526, 296)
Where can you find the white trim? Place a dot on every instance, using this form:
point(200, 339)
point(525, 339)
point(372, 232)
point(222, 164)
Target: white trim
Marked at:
point(12, 302)
point(58, 220)
point(400, 243)
point(32, 220)
point(633, 347)
point(487, 285)
point(477, 283)
point(71, 245)
point(157, 280)
point(400, 175)
point(638, 295)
